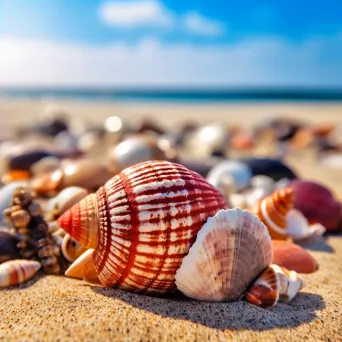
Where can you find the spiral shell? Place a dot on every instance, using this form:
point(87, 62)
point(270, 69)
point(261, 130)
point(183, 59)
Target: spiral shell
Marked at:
point(17, 271)
point(231, 249)
point(272, 211)
point(274, 284)
point(142, 223)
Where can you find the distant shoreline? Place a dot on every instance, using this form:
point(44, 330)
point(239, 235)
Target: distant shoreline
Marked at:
point(177, 95)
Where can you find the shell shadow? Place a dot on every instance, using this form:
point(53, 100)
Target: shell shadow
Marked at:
point(317, 243)
point(234, 316)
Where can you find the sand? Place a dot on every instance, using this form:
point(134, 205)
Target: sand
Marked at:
point(52, 308)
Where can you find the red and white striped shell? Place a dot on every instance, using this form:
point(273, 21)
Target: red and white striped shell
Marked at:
point(142, 223)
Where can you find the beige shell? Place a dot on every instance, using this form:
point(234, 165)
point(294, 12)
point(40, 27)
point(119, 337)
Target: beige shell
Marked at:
point(230, 251)
point(71, 249)
point(17, 271)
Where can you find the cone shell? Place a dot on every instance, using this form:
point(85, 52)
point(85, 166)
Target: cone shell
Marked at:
point(265, 291)
point(272, 211)
point(230, 251)
point(17, 271)
point(142, 222)
point(293, 257)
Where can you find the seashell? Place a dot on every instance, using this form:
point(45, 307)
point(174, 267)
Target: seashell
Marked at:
point(293, 257)
point(265, 290)
point(134, 150)
point(322, 207)
point(84, 268)
point(208, 140)
point(272, 211)
point(298, 227)
point(273, 168)
point(8, 246)
point(230, 251)
point(15, 175)
point(142, 222)
point(17, 271)
point(56, 206)
point(71, 249)
point(6, 194)
point(235, 170)
point(290, 283)
point(274, 284)
point(242, 141)
point(85, 173)
point(262, 182)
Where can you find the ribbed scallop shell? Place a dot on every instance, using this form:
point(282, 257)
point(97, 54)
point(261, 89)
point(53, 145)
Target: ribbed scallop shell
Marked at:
point(145, 219)
point(230, 251)
point(17, 271)
point(272, 211)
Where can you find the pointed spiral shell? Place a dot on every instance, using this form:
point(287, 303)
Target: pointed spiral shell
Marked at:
point(142, 223)
point(272, 211)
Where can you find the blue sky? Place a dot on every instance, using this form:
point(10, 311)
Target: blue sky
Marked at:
point(178, 42)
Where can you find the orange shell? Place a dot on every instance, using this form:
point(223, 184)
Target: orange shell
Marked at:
point(265, 290)
point(142, 223)
point(293, 257)
point(272, 211)
point(17, 271)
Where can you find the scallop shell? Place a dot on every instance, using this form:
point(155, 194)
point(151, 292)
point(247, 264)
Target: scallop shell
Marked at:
point(142, 222)
point(239, 174)
point(293, 257)
point(298, 227)
point(272, 211)
point(17, 271)
point(274, 284)
point(265, 290)
point(230, 251)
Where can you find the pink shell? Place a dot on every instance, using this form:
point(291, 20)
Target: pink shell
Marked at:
point(317, 203)
point(147, 218)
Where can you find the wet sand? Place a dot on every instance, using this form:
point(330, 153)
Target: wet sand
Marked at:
point(52, 308)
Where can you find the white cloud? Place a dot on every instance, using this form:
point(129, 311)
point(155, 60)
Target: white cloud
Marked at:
point(197, 24)
point(264, 61)
point(135, 13)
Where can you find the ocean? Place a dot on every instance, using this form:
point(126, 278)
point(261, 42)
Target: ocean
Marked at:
point(179, 95)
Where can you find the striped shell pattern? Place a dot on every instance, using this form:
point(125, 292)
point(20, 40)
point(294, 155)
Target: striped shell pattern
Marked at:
point(142, 223)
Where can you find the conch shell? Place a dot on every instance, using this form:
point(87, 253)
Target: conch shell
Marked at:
point(17, 271)
point(274, 284)
point(142, 222)
point(231, 249)
point(272, 211)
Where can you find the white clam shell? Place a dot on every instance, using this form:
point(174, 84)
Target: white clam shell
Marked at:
point(239, 172)
point(298, 227)
point(230, 251)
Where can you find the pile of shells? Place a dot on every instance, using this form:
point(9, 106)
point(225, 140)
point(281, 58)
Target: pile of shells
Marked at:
point(206, 210)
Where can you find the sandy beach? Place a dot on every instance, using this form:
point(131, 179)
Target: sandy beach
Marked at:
point(55, 308)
